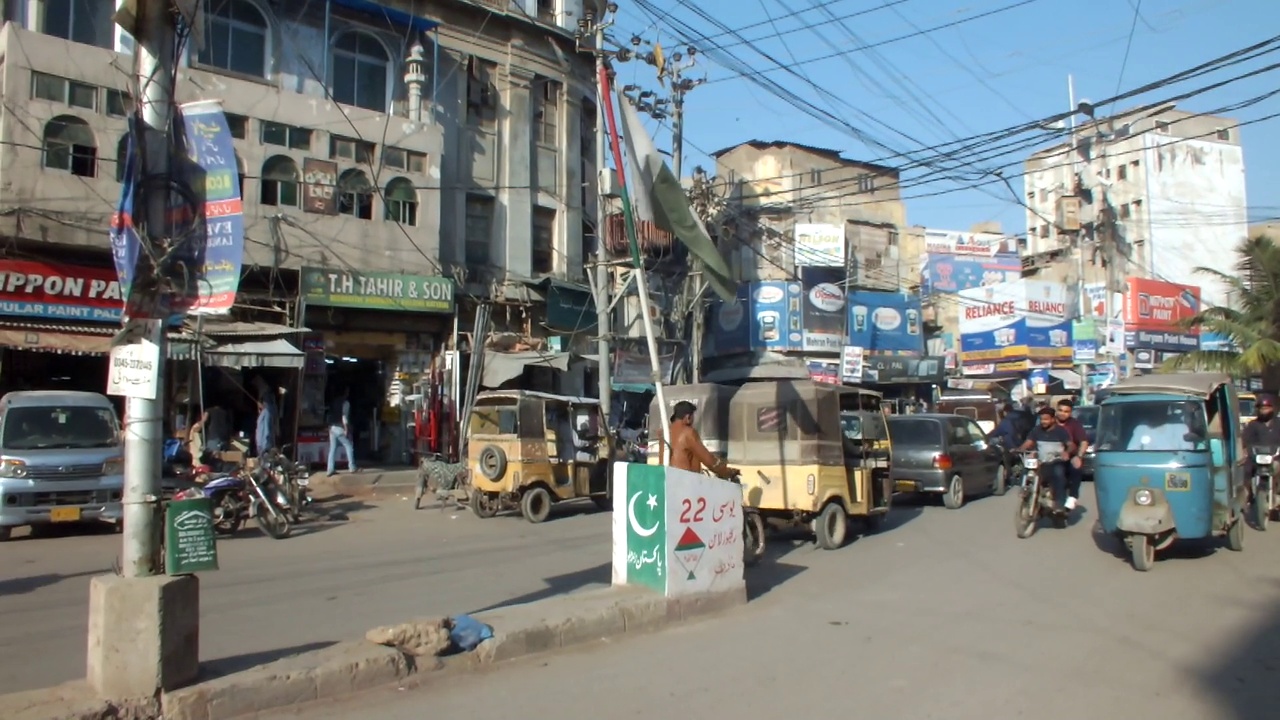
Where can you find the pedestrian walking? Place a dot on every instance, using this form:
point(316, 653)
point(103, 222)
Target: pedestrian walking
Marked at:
point(339, 419)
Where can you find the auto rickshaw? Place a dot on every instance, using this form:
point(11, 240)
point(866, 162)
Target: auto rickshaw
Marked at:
point(531, 449)
point(1248, 408)
point(812, 453)
point(711, 419)
point(1169, 464)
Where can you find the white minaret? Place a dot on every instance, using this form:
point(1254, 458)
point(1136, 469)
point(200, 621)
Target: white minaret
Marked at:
point(414, 79)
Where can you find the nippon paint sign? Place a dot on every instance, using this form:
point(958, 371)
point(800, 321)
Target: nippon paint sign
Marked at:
point(676, 532)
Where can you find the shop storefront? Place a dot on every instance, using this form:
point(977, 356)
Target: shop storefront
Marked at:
point(378, 336)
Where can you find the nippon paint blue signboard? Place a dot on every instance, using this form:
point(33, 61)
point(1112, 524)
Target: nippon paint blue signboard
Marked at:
point(885, 322)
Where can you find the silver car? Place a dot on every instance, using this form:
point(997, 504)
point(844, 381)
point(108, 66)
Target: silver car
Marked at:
point(61, 459)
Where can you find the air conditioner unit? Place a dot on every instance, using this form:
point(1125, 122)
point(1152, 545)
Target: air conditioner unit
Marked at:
point(609, 185)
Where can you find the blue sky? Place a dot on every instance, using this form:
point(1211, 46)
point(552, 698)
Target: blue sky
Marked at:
point(990, 73)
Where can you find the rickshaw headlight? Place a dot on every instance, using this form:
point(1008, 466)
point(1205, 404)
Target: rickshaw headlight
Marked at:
point(1144, 497)
point(811, 484)
point(1263, 459)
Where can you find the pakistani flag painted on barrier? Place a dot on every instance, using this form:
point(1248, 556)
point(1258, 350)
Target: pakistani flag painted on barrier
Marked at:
point(646, 514)
point(658, 197)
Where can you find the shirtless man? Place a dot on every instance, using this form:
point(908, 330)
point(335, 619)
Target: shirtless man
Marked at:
point(687, 450)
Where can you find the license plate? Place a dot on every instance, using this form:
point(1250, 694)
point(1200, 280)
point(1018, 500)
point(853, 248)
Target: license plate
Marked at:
point(64, 514)
point(905, 486)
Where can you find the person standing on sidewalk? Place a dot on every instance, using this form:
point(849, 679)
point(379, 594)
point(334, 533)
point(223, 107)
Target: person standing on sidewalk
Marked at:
point(340, 431)
point(264, 432)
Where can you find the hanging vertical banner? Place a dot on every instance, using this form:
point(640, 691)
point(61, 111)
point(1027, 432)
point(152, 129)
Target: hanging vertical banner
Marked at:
point(216, 246)
point(126, 245)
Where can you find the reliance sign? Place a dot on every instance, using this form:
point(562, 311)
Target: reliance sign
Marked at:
point(985, 310)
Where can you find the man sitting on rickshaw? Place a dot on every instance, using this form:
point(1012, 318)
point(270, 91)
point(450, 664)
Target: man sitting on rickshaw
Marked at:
point(687, 450)
point(1054, 444)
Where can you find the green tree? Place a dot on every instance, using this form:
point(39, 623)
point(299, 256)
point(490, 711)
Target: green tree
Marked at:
point(1253, 324)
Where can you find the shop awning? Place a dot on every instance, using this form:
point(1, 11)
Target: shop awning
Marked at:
point(500, 367)
point(275, 353)
point(69, 340)
point(1070, 379)
point(220, 328)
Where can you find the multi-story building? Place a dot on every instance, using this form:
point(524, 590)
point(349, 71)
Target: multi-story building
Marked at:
point(372, 140)
point(1168, 186)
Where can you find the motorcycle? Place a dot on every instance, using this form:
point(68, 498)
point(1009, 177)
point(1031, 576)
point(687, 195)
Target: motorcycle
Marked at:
point(1037, 499)
point(248, 494)
point(1263, 486)
point(293, 478)
point(752, 529)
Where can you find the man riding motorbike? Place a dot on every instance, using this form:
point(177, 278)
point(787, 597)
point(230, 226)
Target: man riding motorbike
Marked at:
point(1262, 431)
point(1052, 469)
point(1075, 468)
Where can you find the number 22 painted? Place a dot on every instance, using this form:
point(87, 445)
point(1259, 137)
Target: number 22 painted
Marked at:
point(687, 506)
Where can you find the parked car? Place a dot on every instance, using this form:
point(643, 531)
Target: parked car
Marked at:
point(61, 459)
point(944, 454)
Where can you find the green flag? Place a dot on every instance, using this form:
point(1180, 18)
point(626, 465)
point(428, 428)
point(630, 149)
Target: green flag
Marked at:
point(658, 197)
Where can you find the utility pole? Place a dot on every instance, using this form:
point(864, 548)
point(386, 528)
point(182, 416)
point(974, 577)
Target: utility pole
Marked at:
point(144, 631)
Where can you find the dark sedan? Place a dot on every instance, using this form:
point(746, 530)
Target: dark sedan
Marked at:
point(944, 454)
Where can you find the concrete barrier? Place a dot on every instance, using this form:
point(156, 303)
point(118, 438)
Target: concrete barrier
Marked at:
point(347, 668)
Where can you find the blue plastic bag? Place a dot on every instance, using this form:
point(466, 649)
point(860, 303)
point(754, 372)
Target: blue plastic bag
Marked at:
point(467, 633)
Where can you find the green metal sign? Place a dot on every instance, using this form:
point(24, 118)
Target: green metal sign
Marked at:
point(377, 290)
point(189, 543)
point(570, 308)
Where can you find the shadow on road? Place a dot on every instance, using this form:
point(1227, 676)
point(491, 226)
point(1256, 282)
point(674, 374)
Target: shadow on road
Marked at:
point(50, 531)
point(20, 586)
point(560, 585)
point(239, 663)
point(768, 575)
point(1243, 681)
point(1179, 550)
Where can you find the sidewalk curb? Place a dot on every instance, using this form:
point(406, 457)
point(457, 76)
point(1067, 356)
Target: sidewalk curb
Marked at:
point(352, 667)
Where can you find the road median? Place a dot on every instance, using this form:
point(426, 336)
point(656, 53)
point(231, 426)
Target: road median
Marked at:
point(352, 667)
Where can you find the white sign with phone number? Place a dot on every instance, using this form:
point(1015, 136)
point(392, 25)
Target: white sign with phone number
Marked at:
point(134, 370)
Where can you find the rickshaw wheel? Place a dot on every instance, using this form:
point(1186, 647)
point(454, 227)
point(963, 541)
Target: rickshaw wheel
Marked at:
point(1026, 519)
point(831, 527)
point(1142, 552)
point(1235, 535)
point(1262, 509)
point(481, 505)
point(753, 539)
point(535, 504)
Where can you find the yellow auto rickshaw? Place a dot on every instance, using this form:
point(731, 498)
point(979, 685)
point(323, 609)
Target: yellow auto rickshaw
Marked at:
point(530, 450)
point(812, 453)
point(711, 419)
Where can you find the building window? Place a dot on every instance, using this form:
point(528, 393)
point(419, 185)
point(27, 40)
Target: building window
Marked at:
point(1044, 195)
point(360, 71)
point(893, 238)
point(69, 145)
point(1124, 211)
point(1224, 135)
point(544, 241)
point(280, 182)
point(479, 230)
point(546, 115)
point(401, 199)
point(294, 138)
point(1162, 127)
point(1122, 172)
point(482, 96)
point(547, 11)
point(82, 21)
point(355, 195)
point(1044, 231)
point(119, 103)
point(406, 160)
point(235, 38)
point(356, 151)
point(61, 90)
point(238, 125)
point(815, 177)
point(866, 183)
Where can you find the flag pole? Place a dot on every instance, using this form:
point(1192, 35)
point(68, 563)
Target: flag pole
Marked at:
point(642, 286)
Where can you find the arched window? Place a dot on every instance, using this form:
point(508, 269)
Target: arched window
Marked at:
point(355, 195)
point(402, 202)
point(235, 37)
point(69, 145)
point(122, 151)
point(361, 71)
point(280, 182)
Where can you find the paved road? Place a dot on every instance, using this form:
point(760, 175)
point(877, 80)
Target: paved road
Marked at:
point(328, 583)
point(945, 616)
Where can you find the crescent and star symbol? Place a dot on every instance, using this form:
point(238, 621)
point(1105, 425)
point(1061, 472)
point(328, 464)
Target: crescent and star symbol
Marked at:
point(631, 515)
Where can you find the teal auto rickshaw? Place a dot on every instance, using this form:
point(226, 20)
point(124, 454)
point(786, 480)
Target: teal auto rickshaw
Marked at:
point(1168, 463)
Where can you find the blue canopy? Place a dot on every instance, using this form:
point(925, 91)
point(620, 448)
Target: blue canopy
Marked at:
point(399, 17)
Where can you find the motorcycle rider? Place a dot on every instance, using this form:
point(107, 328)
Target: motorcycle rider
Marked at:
point(1014, 425)
point(1055, 470)
point(687, 451)
point(1075, 468)
point(1262, 431)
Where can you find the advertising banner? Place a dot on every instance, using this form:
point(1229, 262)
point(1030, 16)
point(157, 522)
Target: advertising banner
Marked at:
point(949, 274)
point(67, 292)
point(217, 246)
point(727, 325)
point(1084, 341)
point(819, 245)
point(993, 324)
point(885, 322)
point(1153, 310)
point(824, 308)
point(951, 242)
point(1047, 311)
point(777, 316)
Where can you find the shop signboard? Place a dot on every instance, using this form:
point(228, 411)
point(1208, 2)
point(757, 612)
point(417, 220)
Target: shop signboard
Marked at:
point(377, 290)
point(190, 545)
point(1217, 342)
point(777, 316)
point(1153, 312)
point(993, 324)
point(727, 325)
point(1047, 313)
point(955, 261)
point(65, 292)
point(851, 364)
point(824, 308)
point(632, 370)
point(900, 370)
point(819, 245)
point(1084, 341)
point(570, 308)
point(886, 322)
point(824, 372)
